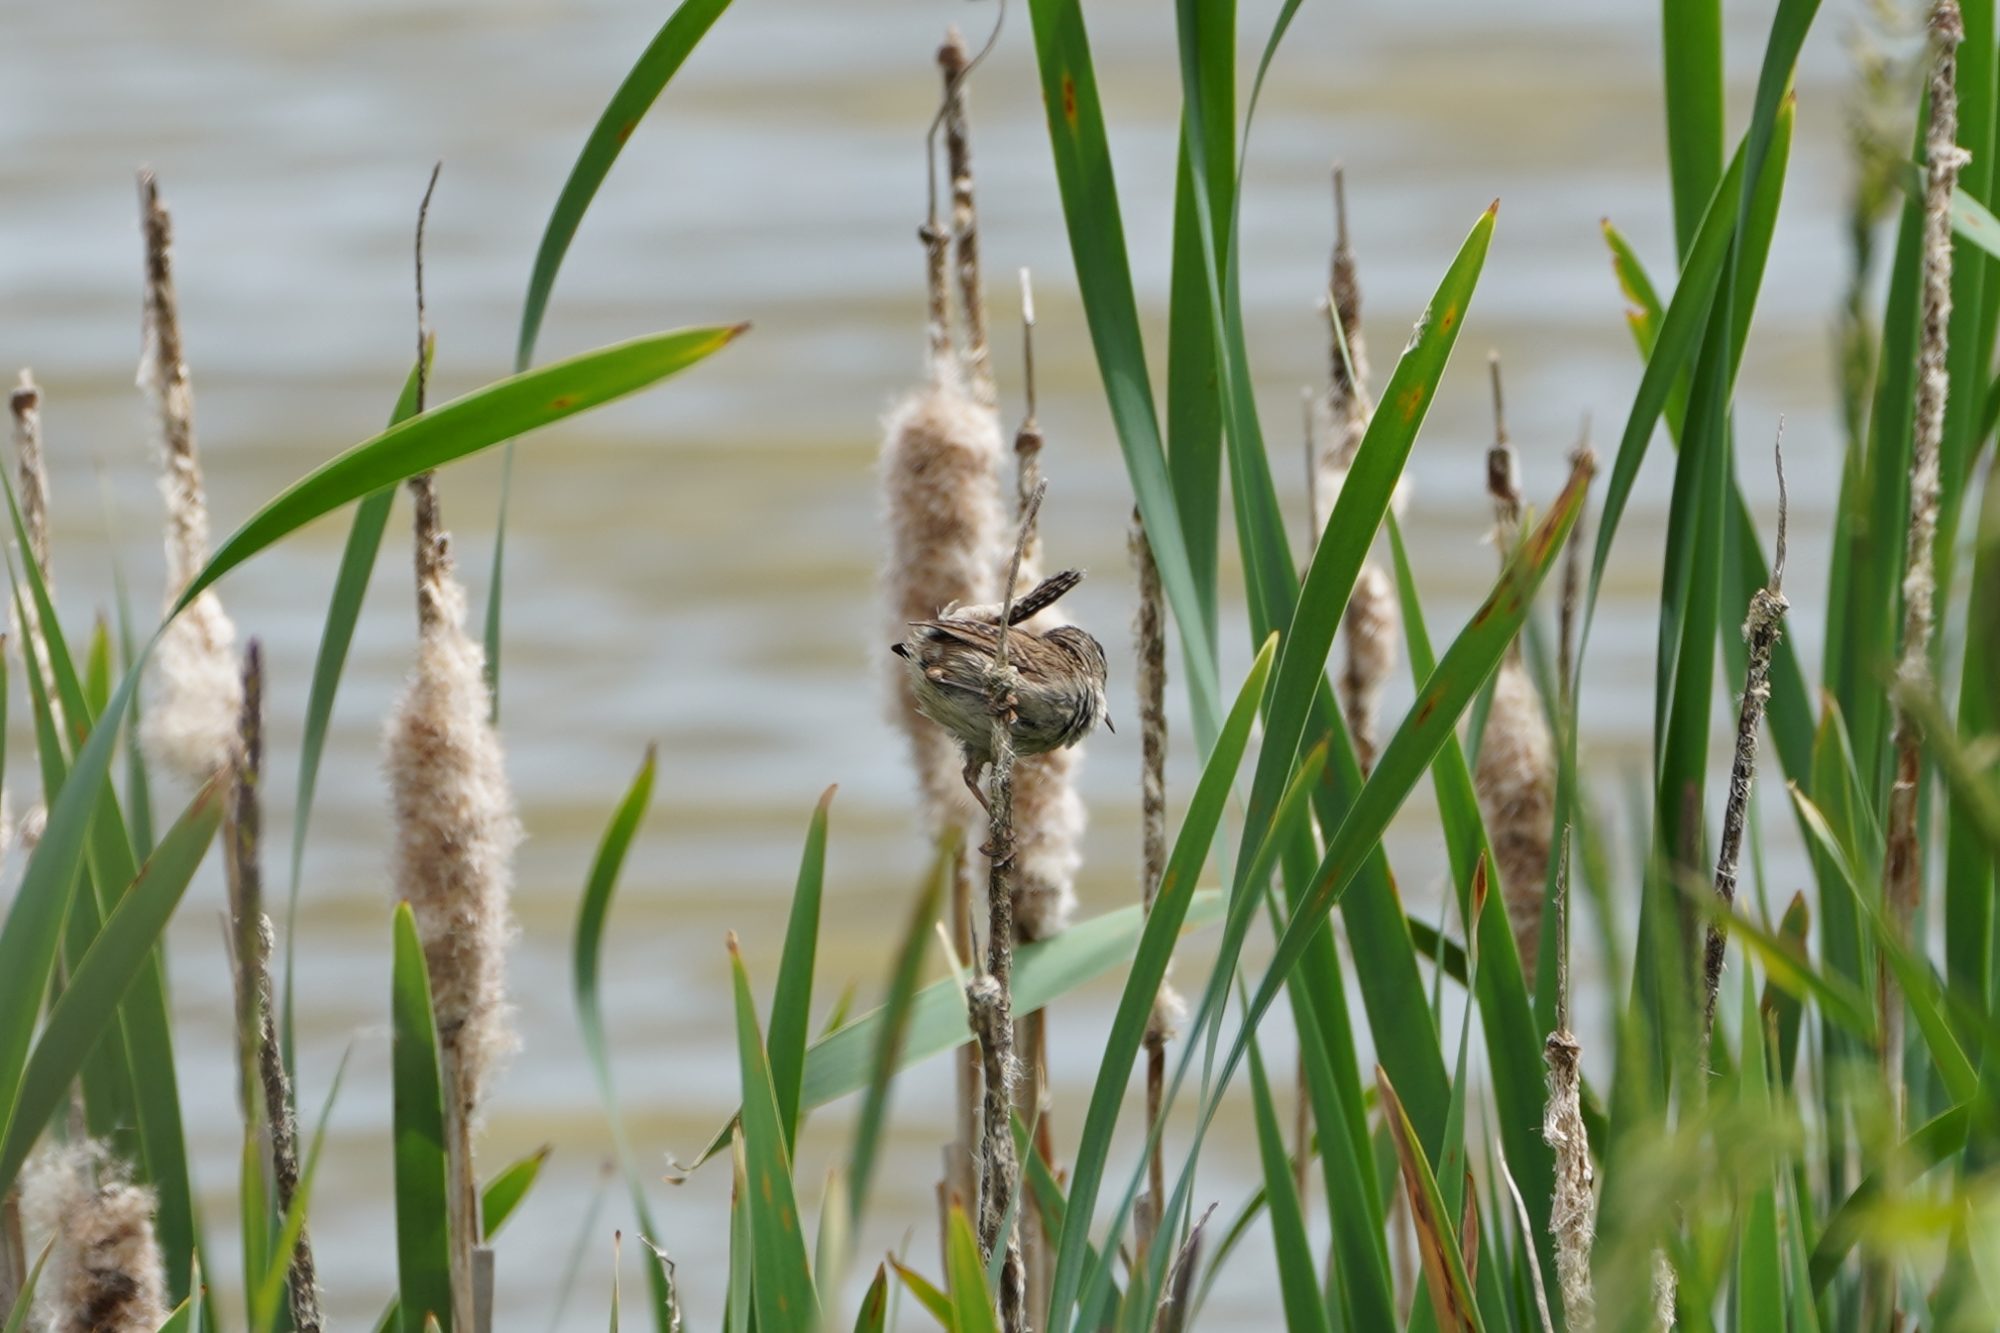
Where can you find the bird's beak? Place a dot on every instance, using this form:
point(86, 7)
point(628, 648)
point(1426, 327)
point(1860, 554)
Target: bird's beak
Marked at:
point(1107, 725)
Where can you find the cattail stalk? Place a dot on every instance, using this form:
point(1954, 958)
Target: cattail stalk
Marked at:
point(191, 726)
point(955, 63)
point(1572, 595)
point(1049, 818)
point(266, 1084)
point(1516, 770)
point(1149, 630)
point(941, 465)
point(456, 833)
point(1573, 1207)
point(1760, 632)
point(1903, 870)
point(32, 470)
point(989, 996)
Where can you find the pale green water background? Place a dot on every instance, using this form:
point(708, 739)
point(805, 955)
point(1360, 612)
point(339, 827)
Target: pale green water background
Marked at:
point(697, 567)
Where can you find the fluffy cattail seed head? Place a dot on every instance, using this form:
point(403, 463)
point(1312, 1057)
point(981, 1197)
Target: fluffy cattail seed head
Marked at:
point(104, 1274)
point(191, 724)
point(941, 461)
point(456, 832)
point(1515, 779)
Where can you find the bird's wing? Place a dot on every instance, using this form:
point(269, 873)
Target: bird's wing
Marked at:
point(1044, 595)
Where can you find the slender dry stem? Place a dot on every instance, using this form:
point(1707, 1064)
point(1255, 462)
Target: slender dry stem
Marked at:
point(31, 467)
point(989, 996)
point(1573, 1207)
point(1149, 630)
point(955, 63)
point(1903, 868)
point(1760, 631)
point(1572, 593)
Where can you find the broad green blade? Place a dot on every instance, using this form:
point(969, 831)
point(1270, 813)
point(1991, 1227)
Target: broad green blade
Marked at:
point(1691, 44)
point(965, 1279)
point(1437, 1237)
point(873, 1317)
point(592, 913)
point(506, 1191)
point(1298, 1288)
point(114, 963)
point(350, 587)
point(1104, 278)
point(423, 1247)
point(1142, 986)
point(479, 420)
point(791, 1003)
point(781, 1275)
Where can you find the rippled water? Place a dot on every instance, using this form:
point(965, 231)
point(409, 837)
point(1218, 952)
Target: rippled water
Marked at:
point(696, 567)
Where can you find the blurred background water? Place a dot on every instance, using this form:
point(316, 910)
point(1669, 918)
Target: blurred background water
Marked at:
point(697, 567)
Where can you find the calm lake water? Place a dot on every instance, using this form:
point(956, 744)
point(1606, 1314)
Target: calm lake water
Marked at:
point(697, 567)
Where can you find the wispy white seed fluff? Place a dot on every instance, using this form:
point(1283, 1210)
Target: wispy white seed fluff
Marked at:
point(456, 834)
point(941, 464)
point(104, 1273)
point(1573, 1208)
point(1515, 779)
point(190, 727)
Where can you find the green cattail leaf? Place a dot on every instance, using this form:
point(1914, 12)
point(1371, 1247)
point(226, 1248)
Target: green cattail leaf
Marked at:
point(1920, 988)
point(350, 587)
point(1691, 44)
point(592, 913)
point(1162, 926)
point(1781, 1009)
point(479, 420)
point(97, 668)
point(649, 76)
point(873, 1317)
point(936, 1304)
point(742, 1244)
point(89, 1003)
point(1045, 1192)
point(781, 1276)
point(1512, 1034)
point(1298, 1287)
point(138, 783)
point(1082, 155)
point(615, 1259)
point(423, 1246)
point(965, 1278)
point(791, 1003)
point(24, 1300)
point(1969, 856)
point(1437, 1233)
point(1924, 1148)
point(505, 1192)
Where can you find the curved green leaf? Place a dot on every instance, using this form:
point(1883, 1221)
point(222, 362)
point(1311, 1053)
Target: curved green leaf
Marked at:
point(479, 420)
point(791, 1003)
point(116, 958)
point(591, 916)
point(780, 1275)
point(423, 1249)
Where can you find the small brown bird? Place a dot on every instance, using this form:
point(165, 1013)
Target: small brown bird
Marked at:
point(1059, 693)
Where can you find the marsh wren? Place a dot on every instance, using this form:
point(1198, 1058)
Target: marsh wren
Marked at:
point(1058, 688)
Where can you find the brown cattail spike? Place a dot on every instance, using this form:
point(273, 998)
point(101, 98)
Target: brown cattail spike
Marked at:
point(1903, 870)
point(1515, 775)
point(31, 467)
point(1760, 632)
point(191, 726)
